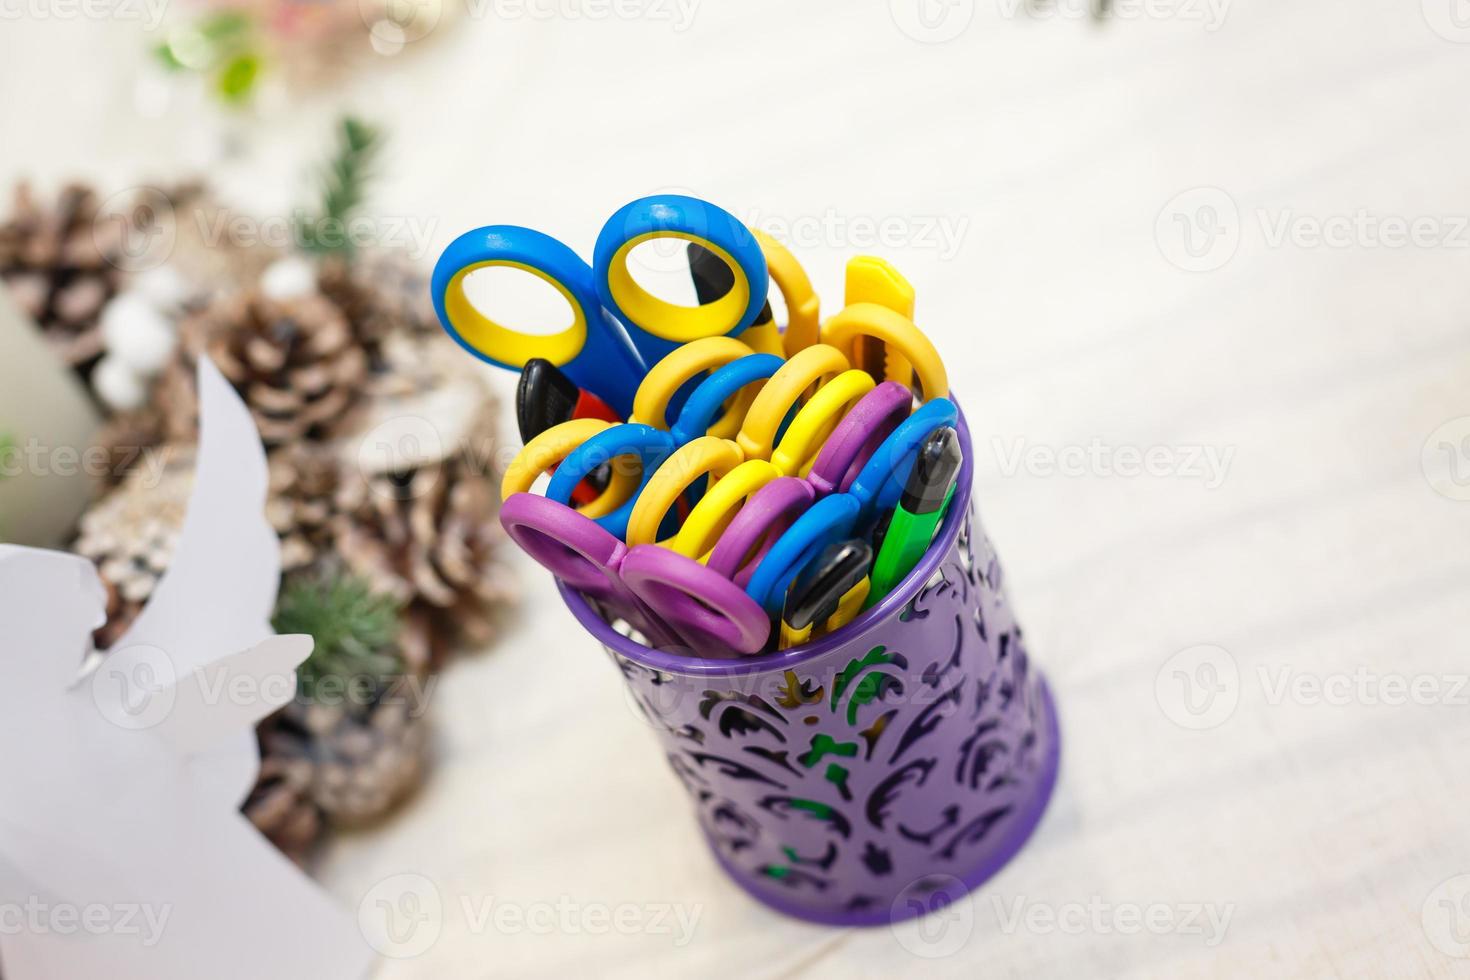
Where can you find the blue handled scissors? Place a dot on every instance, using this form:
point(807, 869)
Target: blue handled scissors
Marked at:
point(618, 328)
point(654, 447)
point(837, 516)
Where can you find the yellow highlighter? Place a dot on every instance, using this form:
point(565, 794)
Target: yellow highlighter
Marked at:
point(828, 593)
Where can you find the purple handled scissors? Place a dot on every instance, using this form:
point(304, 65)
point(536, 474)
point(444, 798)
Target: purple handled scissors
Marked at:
point(775, 507)
point(673, 600)
point(763, 518)
point(858, 436)
point(780, 527)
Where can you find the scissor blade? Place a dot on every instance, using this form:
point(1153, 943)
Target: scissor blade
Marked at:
point(544, 397)
point(713, 279)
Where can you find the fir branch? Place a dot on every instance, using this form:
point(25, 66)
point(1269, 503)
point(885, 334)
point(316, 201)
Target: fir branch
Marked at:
point(355, 629)
point(343, 187)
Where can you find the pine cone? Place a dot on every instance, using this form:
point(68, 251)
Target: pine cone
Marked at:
point(130, 535)
point(62, 266)
point(280, 805)
point(296, 363)
point(304, 479)
point(421, 524)
point(381, 292)
point(430, 538)
point(207, 251)
point(127, 436)
point(353, 763)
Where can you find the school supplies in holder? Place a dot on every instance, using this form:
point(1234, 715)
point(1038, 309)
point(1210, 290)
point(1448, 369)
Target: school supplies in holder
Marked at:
point(778, 550)
point(837, 780)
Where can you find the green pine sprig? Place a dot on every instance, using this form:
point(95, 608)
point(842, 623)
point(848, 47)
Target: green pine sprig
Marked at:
point(355, 628)
point(343, 188)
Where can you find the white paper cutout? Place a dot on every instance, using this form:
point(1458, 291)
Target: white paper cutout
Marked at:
point(123, 854)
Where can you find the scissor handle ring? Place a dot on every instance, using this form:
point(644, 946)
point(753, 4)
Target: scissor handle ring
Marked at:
point(676, 216)
point(829, 519)
point(550, 449)
point(752, 531)
point(651, 447)
point(581, 554)
point(764, 338)
point(719, 505)
point(697, 417)
point(513, 247)
point(663, 381)
point(568, 544)
point(757, 437)
point(706, 455)
point(879, 483)
point(803, 307)
point(695, 601)
point(818, 418)
point(859, 435)
point(896, 330)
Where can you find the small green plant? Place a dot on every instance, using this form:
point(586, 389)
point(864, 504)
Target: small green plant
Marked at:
point(355, 628)
point(224, 46)
point(343, 188)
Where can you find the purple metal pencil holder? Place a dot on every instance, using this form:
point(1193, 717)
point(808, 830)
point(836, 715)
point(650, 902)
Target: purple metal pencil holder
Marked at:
point(852, 780)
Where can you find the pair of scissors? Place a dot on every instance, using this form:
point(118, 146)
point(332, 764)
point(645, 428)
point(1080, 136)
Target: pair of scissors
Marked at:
point(762, 451)
point(618, 328)
point(828, 593)
point(671, 462)
point(877, 333)
point(674, 601)
point(546, 397)
point(741, 516)
point(837, 516)
point(874, 280)
point(713, 280)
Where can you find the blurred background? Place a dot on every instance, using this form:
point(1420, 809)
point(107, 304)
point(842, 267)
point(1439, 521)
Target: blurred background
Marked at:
point(1198, 270)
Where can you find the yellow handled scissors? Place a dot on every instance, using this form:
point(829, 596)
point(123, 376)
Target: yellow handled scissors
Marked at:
point(712, 280)
point(735, 474)
point(862, 321)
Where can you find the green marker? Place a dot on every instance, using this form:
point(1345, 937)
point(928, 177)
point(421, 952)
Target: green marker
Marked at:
point(921, 509)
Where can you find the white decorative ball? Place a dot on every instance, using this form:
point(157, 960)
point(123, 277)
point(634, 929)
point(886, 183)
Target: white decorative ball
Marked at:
point(164, 287)
point(137, 334)
point(288, 278)
point(118, 385)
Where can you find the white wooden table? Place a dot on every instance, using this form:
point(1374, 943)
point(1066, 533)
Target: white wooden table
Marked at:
point(1260, 668)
